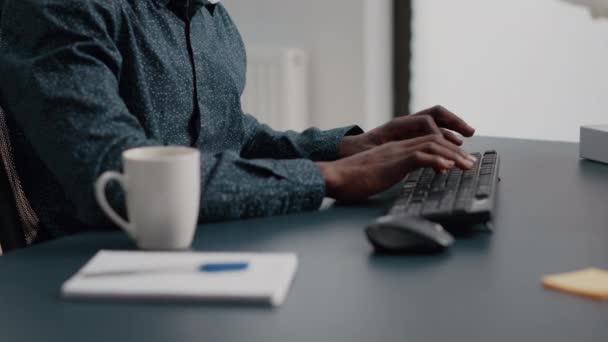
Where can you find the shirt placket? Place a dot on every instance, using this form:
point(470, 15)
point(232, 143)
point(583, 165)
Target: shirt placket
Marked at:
point(191, 16)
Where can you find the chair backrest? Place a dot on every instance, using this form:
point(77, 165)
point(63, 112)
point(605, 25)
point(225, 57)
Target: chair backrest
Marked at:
point(19, 223)
point(11, 234)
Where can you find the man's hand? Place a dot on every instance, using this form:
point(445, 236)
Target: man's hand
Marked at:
point(375, 170)
point(436, 120)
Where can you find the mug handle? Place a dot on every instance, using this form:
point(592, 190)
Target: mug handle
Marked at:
point(100, 195)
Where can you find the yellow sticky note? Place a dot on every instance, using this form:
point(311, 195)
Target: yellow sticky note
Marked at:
point(590, 282)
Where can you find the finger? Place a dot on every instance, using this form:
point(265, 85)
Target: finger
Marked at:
point(420, 159)
point(444, 152)
point(446, 119)
point(439, 139)
point(423, 124)
point(404, 127)
point(451, 136)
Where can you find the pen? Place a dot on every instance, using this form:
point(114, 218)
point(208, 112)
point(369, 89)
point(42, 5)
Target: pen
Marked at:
point(211, 267)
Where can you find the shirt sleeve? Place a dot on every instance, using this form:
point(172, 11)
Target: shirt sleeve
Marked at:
point(63, 68)
point(235, 187)
point(60, 84)
point(313, 143)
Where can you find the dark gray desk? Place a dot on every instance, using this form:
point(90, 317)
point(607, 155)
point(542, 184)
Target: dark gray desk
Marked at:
point(552, 217)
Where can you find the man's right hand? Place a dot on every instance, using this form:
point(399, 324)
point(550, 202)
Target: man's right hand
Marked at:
point(365, 174)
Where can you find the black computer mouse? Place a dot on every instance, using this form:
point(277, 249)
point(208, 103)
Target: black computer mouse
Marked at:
point(396, 234)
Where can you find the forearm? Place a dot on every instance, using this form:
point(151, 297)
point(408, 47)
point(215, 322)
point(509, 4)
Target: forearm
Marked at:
point(262, 141)
point(235, 188)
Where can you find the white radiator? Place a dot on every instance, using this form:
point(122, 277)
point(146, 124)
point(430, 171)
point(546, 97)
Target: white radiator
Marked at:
point(277, 90)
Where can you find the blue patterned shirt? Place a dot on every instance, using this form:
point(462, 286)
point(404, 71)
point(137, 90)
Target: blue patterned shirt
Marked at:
point(84, 80)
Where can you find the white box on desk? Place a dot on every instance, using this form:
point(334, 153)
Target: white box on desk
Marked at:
point(594, 143)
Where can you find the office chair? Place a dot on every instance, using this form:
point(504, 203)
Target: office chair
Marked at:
point(19, 223)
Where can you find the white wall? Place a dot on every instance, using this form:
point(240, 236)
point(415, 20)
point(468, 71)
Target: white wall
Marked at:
point(350, 46)
point(517, 68)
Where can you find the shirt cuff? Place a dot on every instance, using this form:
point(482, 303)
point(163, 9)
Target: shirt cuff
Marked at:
point(332, 138)
point(307, 183)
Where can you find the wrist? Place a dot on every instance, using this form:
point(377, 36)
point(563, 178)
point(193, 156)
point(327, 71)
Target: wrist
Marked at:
point(331, 177)
point(353, 144)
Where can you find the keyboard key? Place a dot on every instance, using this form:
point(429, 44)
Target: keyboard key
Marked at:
point(487, 170)
point(426, 179)
point(439, 183)
point(414, 176)
point(453, 181)
point(418, 195)
point(408, 186)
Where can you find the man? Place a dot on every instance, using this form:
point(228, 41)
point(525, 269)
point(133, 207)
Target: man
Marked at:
point(84, 80)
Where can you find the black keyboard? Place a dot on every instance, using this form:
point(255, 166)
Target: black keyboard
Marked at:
point(457, 199)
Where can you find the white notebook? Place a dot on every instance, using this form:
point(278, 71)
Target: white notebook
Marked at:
point(219, 277)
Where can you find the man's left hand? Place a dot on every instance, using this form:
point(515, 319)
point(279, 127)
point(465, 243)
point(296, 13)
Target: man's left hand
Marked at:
point(433, 121)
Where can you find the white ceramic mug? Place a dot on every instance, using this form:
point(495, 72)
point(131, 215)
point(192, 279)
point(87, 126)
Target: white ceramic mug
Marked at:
point(162, 191)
